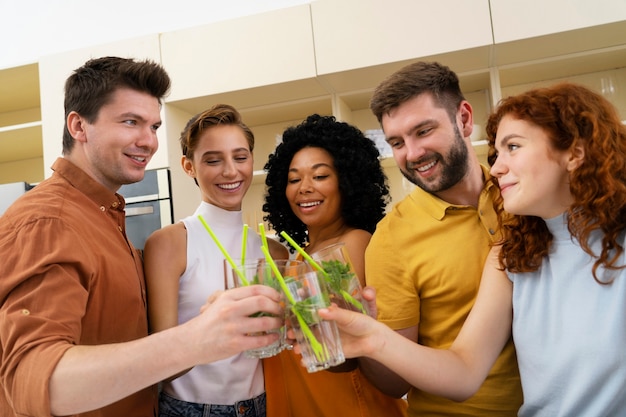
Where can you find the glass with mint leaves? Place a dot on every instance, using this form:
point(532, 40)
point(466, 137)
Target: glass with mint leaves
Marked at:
point(259, 272)
point(318, 339)
point(343, 284)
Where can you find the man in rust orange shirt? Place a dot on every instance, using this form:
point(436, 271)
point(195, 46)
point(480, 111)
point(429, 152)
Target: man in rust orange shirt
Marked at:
point(73, 327)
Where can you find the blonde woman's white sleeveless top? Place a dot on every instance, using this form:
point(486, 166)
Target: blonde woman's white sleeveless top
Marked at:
point(236, 378)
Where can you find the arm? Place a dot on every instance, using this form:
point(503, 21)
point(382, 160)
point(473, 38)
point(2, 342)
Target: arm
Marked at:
point(456, 373)
point(356, 242)
point(165, 261)
point(382, 377)
point(89, 377)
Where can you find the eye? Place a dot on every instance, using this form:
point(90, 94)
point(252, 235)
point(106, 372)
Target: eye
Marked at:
point(424, 132)
point(130, 122)
point(395, 143)
point(212, 161)
point(512, 146)
point(293, 180)
point(241, 158)
point(320, 177)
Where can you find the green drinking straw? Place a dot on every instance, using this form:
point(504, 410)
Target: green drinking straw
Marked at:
point(303, 253)
point(317, 347)
point(244, 240)
point(224, 252)
point(263, 237)
point(349, 298)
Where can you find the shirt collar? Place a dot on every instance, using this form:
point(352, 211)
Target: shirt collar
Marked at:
point(437, 207)
point(80, 180)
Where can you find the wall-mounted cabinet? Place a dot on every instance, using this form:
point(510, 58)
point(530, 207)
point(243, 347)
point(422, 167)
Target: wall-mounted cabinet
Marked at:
point(337, 57)
point(351, 34)
point(327, 57)
point(21, 153)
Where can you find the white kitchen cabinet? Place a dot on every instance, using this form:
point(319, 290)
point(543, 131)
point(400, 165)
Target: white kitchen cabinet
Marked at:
point(352, 34)
point(523, 19)
point(241, 54)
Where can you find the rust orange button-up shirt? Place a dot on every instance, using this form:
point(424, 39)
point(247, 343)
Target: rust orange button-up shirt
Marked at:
point(68, 276)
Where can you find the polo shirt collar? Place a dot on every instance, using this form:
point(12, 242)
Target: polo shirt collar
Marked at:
point(437, 207)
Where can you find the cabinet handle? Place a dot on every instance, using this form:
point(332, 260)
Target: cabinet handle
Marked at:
point(138, 211)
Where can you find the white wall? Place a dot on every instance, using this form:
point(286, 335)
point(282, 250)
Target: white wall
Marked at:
point(31, 29)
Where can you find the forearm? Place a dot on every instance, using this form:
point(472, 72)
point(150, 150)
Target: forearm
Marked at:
point(437, 371)
point(382, 378)
point(90, 377)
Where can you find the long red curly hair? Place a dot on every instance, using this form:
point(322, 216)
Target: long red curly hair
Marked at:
point(570, 115)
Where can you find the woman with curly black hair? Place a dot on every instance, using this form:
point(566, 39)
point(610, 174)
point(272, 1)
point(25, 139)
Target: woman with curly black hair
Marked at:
point(325, 185)
point(362, 183)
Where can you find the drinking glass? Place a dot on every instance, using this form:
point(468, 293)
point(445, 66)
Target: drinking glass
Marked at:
point(318, 339)
point(259, 272)
point(343, 284)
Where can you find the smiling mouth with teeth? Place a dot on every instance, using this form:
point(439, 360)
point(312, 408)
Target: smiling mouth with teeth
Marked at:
point(426, 167)
point(310, 204)
point(230, 186)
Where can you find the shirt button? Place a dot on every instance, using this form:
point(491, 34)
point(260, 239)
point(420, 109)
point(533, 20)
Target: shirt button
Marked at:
point(25, 312)
point(102, 208)
point(119, 228)
point(492, 232)
point(115, 204)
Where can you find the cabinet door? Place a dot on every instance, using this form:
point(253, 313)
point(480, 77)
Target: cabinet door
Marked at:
point(238, 54)
point(520, 19)
point(360, 33)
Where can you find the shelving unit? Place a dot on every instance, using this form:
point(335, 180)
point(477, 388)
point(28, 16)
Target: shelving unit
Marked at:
point(21, 152)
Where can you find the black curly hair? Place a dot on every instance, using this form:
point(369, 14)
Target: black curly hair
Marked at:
point(362, 182)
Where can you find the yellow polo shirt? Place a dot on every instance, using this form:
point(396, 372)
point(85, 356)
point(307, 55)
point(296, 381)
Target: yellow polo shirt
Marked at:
point(425, 261)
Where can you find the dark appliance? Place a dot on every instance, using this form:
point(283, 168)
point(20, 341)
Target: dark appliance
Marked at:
point(148, 205)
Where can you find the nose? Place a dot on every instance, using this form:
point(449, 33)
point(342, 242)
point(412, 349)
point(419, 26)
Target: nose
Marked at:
point(149, 140)
point(413, 150)
point(229, 168)
point(498, 168)
point(306, 186)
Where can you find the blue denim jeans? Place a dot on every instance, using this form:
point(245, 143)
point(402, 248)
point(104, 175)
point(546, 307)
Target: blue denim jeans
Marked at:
point(172, 407)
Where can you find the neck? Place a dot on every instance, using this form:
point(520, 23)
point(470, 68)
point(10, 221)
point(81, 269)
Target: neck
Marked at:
point(467, 191)
point(320, 237)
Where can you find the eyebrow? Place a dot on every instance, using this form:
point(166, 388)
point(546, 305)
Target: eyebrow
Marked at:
point(137, 116)
point(418, 126)
point(320, 165)
point(507, 138)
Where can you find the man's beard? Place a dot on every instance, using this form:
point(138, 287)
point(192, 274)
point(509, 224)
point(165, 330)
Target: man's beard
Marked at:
point(454, 167)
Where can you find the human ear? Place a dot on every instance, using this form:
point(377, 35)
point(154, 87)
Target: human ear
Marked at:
point(467, 119)
point(187, 165)
point(76, 126)
point(576, 157)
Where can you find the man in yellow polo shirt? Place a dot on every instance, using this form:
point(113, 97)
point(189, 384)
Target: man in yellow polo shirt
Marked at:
point(426, 257)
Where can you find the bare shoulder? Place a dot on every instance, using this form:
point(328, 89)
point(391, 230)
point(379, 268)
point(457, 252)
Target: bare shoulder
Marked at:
point(168, 242)
point(357, 238)
point(168, 235)
point(277, 250)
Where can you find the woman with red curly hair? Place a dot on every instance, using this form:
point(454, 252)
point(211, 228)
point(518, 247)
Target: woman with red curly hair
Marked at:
point(556, 282)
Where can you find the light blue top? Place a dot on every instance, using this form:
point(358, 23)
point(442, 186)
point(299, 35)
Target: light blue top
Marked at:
point(570, 332)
